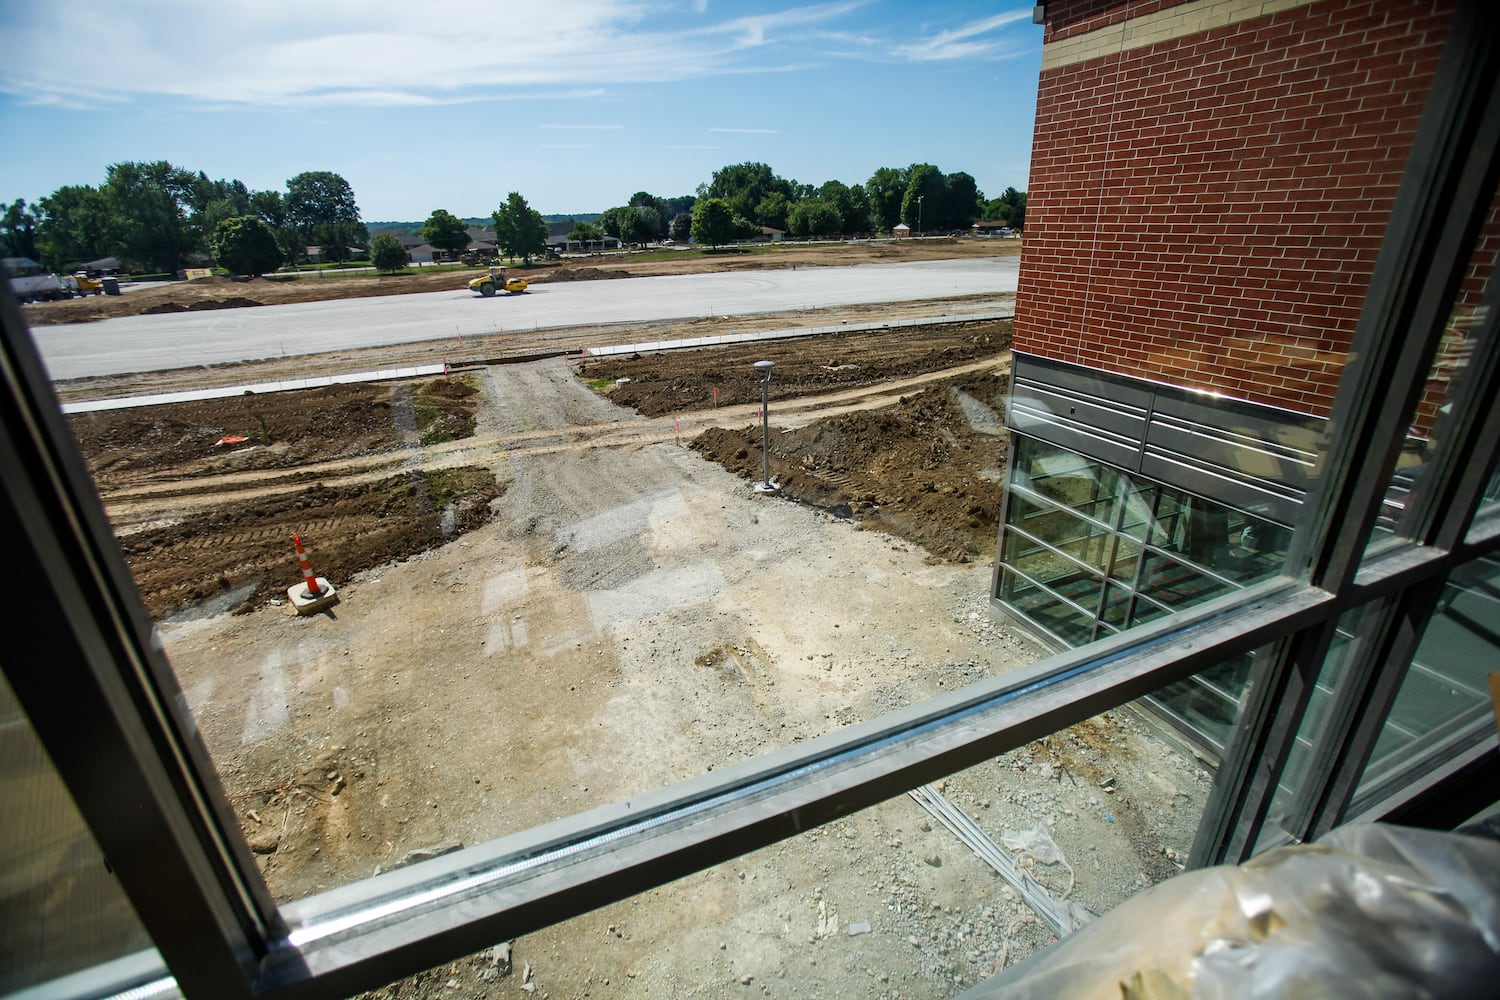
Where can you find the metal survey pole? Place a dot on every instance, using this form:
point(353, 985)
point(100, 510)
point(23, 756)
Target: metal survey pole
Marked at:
point(764, 367)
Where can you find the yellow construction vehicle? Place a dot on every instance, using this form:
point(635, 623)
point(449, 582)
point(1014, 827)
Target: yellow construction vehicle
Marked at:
point(80, 284)
point(495, 281)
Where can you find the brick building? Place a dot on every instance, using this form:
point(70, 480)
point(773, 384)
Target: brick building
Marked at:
point(1173, 377)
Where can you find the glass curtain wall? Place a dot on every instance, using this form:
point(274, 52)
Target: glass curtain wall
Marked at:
point(1088, 550)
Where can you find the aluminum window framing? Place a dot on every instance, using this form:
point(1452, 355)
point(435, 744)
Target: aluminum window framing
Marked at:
point(1440, 205)
point(213, 924)
point(1076, 561)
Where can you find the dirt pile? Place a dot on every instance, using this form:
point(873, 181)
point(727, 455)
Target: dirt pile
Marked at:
point(661, 384)
point(203, 305)
point(928, 469)
point(581, 274)
point(237, 554)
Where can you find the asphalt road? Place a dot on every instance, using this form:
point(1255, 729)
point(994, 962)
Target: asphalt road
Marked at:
point(179, 340)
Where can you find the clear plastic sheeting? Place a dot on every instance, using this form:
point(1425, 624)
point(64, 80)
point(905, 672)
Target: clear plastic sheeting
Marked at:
point(1369, 911)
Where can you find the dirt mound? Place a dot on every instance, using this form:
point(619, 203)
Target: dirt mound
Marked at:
point(927, 470)
point(237, 551)
point(664, 383)
point(584, 274)
point(238, 556)
point(232, 302)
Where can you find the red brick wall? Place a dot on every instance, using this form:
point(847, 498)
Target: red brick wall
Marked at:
point(1066, 18)
point(1207, 211)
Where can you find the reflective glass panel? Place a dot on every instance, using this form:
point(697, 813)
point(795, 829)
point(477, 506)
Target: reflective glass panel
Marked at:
point(61, 908)
point(1444, 699)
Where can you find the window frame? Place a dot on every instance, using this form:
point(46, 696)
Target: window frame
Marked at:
point(144, 782)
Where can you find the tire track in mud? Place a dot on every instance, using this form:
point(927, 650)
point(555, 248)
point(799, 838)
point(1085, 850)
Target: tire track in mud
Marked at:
point(151, 498)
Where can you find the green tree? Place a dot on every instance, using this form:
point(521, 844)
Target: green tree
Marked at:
point(586, 233)
point(673, 207)
point(681, 227)
point(1009, 208)
point(923, 206)
point(638, 224)
point(519, 229)
point(884, 191)
point(746, 185)
point(320, 205)
point(615, 221)
point(645, 199)
point(853, 207)
point(772, 210)
point(244, 244)
point(210, 203)
point(963, 201)
point(445, 231)
point(18, 231)
point(149, 204)
point(76, 226)
point(387, 253)
point(642, 224)
point(815, 218)
point(713, 221)
point(270, 208)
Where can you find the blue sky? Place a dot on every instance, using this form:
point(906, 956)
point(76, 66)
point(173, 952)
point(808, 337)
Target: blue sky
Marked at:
point(576, 104)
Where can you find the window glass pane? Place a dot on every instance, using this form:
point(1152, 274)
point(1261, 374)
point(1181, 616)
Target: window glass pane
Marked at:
point(1055, 611)
point(1444, 699)
point(1177, 584)
point(1444, 394)
point(61, 908)
point(1207, 705)
point(547, 603)
point(1489, 505)
point(900, 899)
point(1335, 664)
point(1138, 520)
point(1068, 479)
point(1086, 541)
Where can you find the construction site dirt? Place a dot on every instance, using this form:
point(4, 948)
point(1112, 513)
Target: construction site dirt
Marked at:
point(558, 589)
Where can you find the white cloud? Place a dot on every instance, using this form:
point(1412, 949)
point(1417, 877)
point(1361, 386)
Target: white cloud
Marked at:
point(371, 53)
point(967, 42)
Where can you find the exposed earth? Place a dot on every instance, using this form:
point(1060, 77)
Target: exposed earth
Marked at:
point(558, 589)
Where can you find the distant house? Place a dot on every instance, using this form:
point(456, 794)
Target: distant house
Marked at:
point(900, 231)
point(424, 253)
point(771, 234)
point(315, 254)
point(557, 240)
point(990, 229)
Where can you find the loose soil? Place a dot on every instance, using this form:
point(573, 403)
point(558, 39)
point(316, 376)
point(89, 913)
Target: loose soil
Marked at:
point(551, 601)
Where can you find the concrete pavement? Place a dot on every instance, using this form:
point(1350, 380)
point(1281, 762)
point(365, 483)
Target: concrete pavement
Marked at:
point(178, 340)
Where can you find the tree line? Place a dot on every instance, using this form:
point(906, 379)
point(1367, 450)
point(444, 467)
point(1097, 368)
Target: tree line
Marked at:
point(156, 217)
point(742, 198)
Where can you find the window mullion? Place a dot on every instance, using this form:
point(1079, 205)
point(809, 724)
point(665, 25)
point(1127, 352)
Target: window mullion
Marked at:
point(1438, 211)
point(1437, 214)
point(1281, 684)
point(105, 706)
point(1371, 683)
